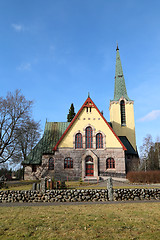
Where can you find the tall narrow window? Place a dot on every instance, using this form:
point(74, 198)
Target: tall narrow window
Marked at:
point(51, 164)
point(78, 140)
point(34, 168)
point(99, 140)
point(68, 162)
point(89, 138)
point(123, 115)
point(110, 163)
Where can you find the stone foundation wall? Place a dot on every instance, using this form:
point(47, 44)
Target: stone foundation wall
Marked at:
point(78, 171)
point(119, 157)
point(28, 174)
point(75, 173)
point(78, 195)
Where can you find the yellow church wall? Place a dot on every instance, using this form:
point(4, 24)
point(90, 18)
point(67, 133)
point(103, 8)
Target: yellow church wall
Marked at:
point(115, 118)
point(95, 120)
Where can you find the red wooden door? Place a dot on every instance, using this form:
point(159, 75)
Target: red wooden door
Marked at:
point(89, 166)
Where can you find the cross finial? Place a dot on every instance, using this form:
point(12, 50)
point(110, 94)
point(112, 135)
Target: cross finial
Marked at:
point(117, 47)
point(88, 94)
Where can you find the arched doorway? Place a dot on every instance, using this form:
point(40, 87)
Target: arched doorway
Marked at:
point(89, 166)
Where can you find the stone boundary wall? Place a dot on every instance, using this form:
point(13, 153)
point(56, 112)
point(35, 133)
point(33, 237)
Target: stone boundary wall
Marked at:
point(78, 195)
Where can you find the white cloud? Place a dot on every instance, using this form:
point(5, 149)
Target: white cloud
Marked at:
point(153, 115)
point(18, 27)
point(24, 67)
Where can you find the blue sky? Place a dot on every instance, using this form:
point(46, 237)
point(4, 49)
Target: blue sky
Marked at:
point(56, 51)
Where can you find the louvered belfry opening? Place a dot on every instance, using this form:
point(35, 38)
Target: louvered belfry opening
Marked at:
point(123, 115)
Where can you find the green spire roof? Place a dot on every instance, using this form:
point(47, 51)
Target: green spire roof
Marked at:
point(120, 86)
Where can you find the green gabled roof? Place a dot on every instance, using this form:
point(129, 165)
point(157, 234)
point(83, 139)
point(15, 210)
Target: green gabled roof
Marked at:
point(120, 86)
point(127, 144)
point(52, 133)
point(35, 155)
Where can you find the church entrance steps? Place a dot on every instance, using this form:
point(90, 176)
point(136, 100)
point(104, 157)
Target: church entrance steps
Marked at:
point(92, 179)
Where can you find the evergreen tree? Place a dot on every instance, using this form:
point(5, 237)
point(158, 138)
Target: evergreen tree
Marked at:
point(71, 113)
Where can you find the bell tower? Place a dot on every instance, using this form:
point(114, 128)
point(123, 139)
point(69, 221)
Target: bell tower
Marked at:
point(122, 107)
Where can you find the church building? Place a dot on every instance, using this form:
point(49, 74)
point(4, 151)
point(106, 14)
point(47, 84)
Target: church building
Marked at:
point(88, 147)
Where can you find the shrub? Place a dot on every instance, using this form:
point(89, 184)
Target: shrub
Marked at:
point(144, 177)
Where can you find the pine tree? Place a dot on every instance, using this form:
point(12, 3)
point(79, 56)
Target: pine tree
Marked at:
point(71, 113)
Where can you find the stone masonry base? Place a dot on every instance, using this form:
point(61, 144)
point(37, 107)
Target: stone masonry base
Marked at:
point(90, 195)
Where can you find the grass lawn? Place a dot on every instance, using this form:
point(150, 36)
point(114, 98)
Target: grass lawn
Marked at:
point(16, 188)
point(20, 185)
point(27, 185)
point(119, 221)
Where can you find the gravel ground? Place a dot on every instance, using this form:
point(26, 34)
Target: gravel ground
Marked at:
point(122, 182)
point(38, 204)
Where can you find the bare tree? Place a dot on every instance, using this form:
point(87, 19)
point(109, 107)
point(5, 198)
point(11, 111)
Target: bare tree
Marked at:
point(149, 154)
point(144, 151)
point(26, 138)
point(15, 110)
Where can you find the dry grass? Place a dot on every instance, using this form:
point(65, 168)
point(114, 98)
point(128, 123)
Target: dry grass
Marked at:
point(81, 185)
point(121, 221)
point(27, 185)
point(20, 187)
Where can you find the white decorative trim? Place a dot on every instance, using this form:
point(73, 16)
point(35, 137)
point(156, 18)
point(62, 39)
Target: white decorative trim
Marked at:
point(118, 102)
point(89, 125)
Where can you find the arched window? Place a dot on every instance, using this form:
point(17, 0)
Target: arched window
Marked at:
point(99, 140)
point(89, 138)
point(51, 164)
point(68, 162)
point(78, 140)
point(110, 163)
point(123, 115)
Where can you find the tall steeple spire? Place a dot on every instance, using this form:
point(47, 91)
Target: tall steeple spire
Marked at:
point(120, 86)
